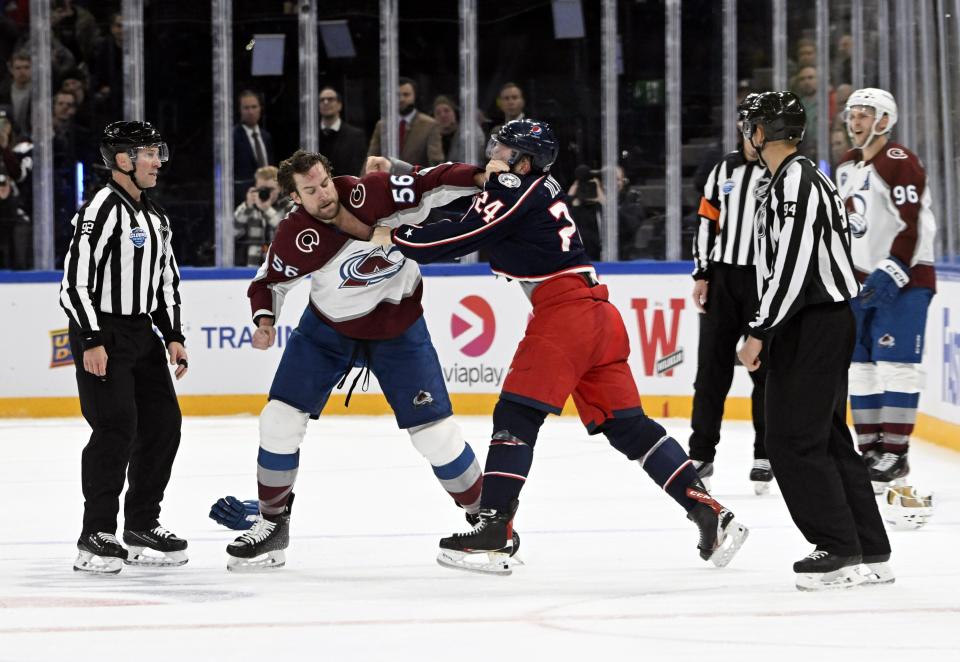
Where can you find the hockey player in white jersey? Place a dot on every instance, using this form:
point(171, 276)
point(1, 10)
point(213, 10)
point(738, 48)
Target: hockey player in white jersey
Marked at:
point(885, 190)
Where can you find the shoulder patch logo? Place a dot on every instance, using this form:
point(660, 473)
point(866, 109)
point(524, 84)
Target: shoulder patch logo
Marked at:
point(897, 153)
point(728, 186)
point(358, 196)
point(509, 180)
point(138, 237)
point(307, 239)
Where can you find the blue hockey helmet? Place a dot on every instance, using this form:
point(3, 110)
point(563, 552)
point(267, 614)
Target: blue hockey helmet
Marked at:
point(528, 138)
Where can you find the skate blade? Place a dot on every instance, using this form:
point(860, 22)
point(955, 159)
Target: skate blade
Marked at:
point(268, 561)
point(827, 581)
point(880, 486)
point(734, 536)
point(97, 565)
point(139, 558)
point(876, 574)
point(706, 483)
point(487, 563)
point(761, 487)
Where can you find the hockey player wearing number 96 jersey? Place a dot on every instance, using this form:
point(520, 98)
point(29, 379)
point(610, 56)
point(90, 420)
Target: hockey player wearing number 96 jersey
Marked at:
point(885, 191)
point(575, 343)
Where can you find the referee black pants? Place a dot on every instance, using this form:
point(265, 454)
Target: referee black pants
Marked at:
point(136, 425)
point(731, 304)
point(823, 480)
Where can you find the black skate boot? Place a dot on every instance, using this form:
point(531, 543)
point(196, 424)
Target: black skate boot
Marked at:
point(720, 534)
point(261, 546)
point(99, 553)
point(890, 468)
point(488, 548)
point(871, 457)
point(821, 570)
point(705, 471)
point(762, 475)
point(474, 518)
point(158, 539)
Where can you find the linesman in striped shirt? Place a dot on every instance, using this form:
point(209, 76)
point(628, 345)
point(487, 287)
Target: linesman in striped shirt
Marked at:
point(805, 279)
point(120, 279)
point(725, 294)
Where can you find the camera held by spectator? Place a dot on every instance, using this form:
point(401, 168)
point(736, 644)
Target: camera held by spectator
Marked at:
point(258, 216)
point(586, 188)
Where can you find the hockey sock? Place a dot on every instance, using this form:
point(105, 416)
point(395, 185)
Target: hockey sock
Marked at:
point(276, 475)
point(866, 403)
point(899, 415)
point(643, 439)
point(510, 456)
point(452, 459)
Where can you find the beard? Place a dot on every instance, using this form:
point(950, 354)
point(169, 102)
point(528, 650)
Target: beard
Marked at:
point(325, 214)
point(403, 110)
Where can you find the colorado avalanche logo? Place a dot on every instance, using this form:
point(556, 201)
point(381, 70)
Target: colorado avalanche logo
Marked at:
point(358, 195)
point(856, 215)
point(362, 268)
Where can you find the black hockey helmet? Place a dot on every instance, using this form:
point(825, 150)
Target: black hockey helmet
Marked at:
point(779, 113)
point(528, 138)
point(127, 137)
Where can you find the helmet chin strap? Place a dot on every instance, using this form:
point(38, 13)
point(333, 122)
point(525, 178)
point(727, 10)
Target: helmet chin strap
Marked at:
point(873, 133)
point(759, 150)
point(132, 174)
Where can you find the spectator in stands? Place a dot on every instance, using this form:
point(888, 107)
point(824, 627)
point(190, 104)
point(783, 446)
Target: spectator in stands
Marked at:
point(839, 144)
point(8, 39)
point(61, 59)
point(511, 103)
point(841, 64)
point(420, 141)
point(75, 28)
point(14, 226)
point(806, 53)
point(15, 91)
point(252, 145)
point(447, 114)
point(805, 85)
point(340, 142)
point(106, 70)
point(589, 199)
point(75, 83)
point(840, 96)
point(72, 144)
point(9, 161)
point(256, 218)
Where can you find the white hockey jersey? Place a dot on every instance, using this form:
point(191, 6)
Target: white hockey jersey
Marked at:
point(889, 208)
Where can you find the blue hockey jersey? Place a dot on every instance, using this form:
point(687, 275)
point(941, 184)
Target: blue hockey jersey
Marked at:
point(523, 223)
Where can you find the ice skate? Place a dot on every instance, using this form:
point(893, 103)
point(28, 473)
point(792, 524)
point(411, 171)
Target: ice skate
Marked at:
point(99, 553)
point(762, 475)
point(488, 549)
point(721, 536)
point(871, 457)
point(820, 571)
point(891, 468)
point(876, 570)
point(158, 539)
point(261, 546)
point(905, 508)
point(474, 518)
point(705, 471)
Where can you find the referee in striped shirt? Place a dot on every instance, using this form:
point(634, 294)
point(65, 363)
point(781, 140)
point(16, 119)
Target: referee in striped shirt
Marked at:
point(120, 279)
point(725, 293)
point(805, 280)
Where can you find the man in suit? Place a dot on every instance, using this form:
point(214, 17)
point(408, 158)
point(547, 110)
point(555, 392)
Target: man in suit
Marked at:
point(420, 140)
point(340, 142)
point(252, 145)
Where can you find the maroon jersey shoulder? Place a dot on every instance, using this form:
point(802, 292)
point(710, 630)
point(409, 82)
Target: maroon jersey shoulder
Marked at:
point(898, 166)
point(367, 198)
point(305, 242)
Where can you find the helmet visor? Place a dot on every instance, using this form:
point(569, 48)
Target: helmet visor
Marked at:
point(160, 149)
point(497, 150)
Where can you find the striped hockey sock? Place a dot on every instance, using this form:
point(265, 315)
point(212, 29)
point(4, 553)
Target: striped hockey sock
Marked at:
point(899, 415)
point(670, 467)
point(867, 422)
point(462, 479)
point(276, 474)
point(506, 470)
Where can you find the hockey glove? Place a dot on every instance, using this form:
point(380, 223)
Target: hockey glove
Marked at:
point(235, 514)
point(883, 285)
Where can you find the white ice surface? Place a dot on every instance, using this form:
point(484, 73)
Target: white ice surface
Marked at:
point(611, 570)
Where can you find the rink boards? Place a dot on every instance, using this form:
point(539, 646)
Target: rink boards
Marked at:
point(475, 320)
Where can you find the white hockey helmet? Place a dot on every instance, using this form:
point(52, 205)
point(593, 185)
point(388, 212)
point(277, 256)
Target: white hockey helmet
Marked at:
point(905, 509)
point(882, 103)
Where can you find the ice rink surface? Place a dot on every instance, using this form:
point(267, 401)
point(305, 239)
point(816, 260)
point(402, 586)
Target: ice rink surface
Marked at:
point(612, 570)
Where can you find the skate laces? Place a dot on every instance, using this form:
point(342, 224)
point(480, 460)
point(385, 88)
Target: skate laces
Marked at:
point(763, 465)
point(108, 538)
point(161, 532)
point(260, 531)
point(886, 461)
point(817, 554)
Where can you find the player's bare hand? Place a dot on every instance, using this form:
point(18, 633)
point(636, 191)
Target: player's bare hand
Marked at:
point(377, 164)
point(178, 357)
point(749, 353)
point(494, 166)
point(264, 336)
point(381, 236)
point(95, 361)
point(700, 290)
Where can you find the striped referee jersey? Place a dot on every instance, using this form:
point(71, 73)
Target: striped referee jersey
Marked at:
point(802, 241)
point(121, 262)
point(725, 232)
